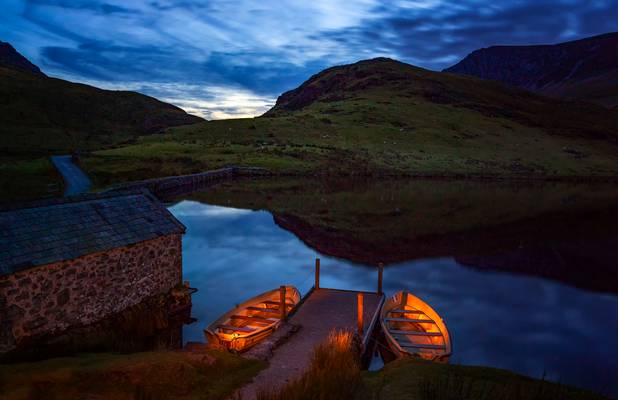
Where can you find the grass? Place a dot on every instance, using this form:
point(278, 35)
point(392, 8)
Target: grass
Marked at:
point(334, 373)
point(149, 375)
point(413, 379)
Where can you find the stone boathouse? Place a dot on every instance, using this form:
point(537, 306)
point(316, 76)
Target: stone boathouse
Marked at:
point(73, 261)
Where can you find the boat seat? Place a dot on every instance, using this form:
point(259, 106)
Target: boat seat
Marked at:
point(417, 321)
point(277, 304)
point(423, 346)
point(258, 320)
point(407, 311)
point(235, 328)
point(414, 333)
point(264, 309)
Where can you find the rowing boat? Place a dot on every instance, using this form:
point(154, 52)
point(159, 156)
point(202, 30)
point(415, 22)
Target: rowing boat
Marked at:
point(255, 319)
point(413, 328)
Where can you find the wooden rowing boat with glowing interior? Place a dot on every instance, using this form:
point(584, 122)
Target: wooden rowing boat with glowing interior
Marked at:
point(253, 320)
point(413, 328)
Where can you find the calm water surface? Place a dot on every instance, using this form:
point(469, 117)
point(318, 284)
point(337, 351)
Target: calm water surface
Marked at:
point(526, 324)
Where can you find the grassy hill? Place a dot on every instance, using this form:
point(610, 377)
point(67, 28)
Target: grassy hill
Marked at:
point(383, 117)
point(47, 115)
point(40, 116)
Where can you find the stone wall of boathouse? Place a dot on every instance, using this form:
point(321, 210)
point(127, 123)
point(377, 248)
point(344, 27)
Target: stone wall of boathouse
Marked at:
point(52, 298)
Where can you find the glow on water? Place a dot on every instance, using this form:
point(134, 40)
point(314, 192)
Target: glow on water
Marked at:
point(530, 325)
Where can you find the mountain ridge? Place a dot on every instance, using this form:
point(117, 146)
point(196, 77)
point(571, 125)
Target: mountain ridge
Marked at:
point(584, 69)
point(11, 58)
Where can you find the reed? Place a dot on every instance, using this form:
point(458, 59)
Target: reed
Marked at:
point(334, 372)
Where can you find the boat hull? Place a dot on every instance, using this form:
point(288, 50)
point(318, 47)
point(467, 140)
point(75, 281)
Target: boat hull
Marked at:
point(250, 322)
point(413, 329)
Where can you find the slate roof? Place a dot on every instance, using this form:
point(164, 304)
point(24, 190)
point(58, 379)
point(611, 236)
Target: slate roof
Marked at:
point(48, 231)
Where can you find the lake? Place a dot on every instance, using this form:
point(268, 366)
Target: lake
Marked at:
point(524, 276)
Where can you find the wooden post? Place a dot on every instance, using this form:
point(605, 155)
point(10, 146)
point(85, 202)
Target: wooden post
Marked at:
point(380, 273)
point(317, 273)
point(282, 302)
point(359, 307)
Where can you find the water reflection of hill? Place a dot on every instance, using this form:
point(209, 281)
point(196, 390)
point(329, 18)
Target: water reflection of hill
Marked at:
point(562, 231)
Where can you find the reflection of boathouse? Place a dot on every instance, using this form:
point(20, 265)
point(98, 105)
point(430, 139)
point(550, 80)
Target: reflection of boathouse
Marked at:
point(73, 261)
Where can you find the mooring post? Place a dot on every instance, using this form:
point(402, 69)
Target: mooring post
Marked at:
point(380, 273)
point(282, 302)
point(317, 273)
point(359, 307)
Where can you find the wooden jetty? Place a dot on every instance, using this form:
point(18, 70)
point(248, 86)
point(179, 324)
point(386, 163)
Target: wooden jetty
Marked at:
point(321, 311)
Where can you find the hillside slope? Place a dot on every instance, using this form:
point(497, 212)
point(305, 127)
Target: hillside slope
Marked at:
point(40, 116)
point(383, 117)
point(585, 69)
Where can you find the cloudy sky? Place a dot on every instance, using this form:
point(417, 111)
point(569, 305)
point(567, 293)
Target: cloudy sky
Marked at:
point(223, 58)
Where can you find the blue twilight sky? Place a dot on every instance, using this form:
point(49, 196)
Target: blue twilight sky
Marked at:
point(222, 59)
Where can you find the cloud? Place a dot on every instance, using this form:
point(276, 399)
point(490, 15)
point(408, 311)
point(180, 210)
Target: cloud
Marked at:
point(235, 58)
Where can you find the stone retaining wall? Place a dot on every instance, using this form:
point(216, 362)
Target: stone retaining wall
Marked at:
point(54, 297)
point(177, 185)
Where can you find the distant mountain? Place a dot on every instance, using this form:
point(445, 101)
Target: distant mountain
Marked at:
point(10, 58)
point(585, 69)
point(41, 115)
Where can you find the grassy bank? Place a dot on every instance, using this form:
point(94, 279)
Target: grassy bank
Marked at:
point(332, 141)
point(415, 379)
point(151, 375)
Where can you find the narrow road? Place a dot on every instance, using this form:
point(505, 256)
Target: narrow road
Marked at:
point(76, 181)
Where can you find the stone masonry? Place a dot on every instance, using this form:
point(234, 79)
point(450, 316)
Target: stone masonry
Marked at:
point(53, 297)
